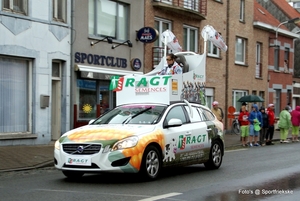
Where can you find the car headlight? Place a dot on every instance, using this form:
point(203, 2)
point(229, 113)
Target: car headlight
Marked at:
point(125, 143)
point(57, 145)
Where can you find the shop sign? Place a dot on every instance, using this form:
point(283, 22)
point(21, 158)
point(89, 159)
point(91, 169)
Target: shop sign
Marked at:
point(147, 35)
point(136, 64)
point(95, 59)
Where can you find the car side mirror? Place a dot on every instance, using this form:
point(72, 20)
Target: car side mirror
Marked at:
point(174, 122)
point(91, 121)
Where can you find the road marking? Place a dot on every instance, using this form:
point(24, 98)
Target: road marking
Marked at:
point(236, 150)
point(158, 197)
point(116, 194)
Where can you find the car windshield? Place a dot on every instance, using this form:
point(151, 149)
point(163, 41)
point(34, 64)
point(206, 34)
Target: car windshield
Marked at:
point(132, 114)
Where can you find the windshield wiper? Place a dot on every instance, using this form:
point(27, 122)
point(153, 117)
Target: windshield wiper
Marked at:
point(137, 114)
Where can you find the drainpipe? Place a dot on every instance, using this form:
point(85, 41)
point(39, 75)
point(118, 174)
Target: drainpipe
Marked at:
point(227, 65)
point(72, 67)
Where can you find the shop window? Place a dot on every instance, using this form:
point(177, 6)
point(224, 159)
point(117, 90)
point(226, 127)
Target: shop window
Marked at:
point(108, 18)
point(59, 10)
point(15, 87)
point(87, 100)
point(16, 6)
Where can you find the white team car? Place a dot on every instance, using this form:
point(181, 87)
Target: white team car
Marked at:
point(143, 138)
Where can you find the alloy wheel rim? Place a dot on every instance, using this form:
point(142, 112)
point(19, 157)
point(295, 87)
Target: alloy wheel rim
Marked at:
point(152, 163)
point(216, 154)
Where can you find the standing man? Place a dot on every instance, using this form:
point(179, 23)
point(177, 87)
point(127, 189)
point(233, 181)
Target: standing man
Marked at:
point(271, 117)
point(255, 119)
point(217, 111)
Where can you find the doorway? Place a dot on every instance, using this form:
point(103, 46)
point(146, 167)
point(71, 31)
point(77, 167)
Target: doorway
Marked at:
point(56, 101)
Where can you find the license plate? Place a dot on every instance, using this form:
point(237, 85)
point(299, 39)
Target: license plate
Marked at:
point(84, 161)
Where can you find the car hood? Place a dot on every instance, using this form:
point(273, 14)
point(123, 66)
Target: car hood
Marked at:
point(105, 133)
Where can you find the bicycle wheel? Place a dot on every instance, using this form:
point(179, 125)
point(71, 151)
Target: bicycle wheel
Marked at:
point(236, 127)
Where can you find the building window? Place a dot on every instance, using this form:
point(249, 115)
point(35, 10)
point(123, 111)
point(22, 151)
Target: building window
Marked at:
point(242, 10)
point(56, 70)
point(108, 18)
point(59, 10)
point(191, 4)
point(213, 51)
point(16, 6)
point(160, 25)
point(15, 86)
point(190, 39)
point(258, 67)
point(276, 58)
point(286, 60)
point(277, 101)
point(236, 95)
point(240, 51)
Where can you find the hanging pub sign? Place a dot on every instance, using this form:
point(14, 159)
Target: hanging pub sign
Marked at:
point(147, 35)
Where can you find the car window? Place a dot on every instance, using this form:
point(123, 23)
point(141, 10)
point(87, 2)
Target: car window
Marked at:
point(209, 115)
point(132, 114)
point(196, 116)
point(178, 113)
point(200, 111)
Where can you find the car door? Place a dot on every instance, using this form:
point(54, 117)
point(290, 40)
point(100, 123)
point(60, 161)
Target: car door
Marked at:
point(199, 140)
point(175, 137)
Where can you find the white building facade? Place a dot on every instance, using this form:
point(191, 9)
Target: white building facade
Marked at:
point(35, 40)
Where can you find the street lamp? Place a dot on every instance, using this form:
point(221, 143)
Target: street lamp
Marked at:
point(295, 20)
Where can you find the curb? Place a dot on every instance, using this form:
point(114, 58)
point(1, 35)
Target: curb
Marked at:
point(42, 165)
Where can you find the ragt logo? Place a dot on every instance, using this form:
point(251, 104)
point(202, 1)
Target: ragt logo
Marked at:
point(116, 83)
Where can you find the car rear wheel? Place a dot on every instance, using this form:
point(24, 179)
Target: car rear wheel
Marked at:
point(73, 174)
point(215, 156)
point(151, 163)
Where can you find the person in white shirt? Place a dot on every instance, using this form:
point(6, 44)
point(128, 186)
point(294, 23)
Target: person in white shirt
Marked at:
point(172, 68)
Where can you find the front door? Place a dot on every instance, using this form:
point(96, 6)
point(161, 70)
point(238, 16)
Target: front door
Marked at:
point(55, 110)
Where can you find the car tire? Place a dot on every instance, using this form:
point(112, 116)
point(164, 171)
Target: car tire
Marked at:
point(73, 174)
point(215, 156)
point(151, 163)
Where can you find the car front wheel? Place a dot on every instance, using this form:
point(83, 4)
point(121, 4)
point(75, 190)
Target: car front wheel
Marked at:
point(215, 156)
point(151, 163)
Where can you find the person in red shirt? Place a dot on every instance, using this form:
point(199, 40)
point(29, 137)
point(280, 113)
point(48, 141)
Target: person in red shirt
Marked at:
point(270, 132)
point(244, 125)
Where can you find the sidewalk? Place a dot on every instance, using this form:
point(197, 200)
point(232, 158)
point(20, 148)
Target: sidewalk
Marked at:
point(14, 158)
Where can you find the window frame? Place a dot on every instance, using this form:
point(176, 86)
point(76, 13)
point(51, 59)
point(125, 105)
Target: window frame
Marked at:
point(211, 47)
point(242, 54)
point(56, 11)
point(236, 96)
point(286, 57)
point(117, 31)
point(258, 67)
point(276, 58)
point(12, 7)
point(242, 11)
point(29, 66)
point(187, 45)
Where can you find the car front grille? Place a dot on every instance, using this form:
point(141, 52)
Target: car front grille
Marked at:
point(81, 149)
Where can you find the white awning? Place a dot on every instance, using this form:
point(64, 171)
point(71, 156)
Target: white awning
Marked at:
point(94, 69)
